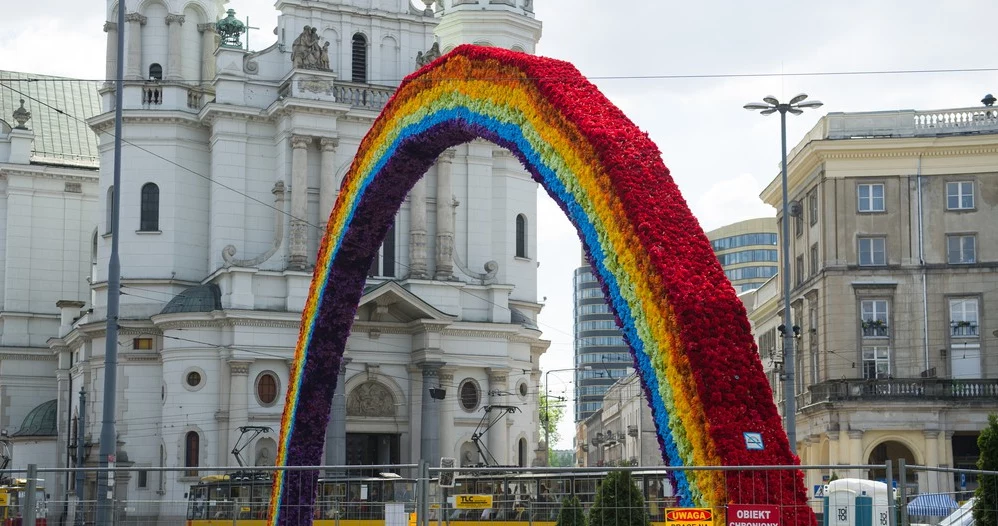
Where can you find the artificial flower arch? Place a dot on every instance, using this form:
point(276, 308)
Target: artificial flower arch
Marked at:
point(687, 330)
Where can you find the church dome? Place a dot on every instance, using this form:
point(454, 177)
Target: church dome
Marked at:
point(202, 298)
point(40, 422)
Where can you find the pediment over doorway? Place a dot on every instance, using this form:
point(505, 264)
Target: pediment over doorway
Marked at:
point(389, 302)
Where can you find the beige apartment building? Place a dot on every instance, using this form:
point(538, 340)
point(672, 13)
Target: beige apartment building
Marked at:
point(894, 251)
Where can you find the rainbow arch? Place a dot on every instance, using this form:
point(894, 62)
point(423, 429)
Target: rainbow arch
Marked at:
point(688, 332)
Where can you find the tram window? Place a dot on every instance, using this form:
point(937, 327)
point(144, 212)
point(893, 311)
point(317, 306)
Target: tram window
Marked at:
point(585, 489)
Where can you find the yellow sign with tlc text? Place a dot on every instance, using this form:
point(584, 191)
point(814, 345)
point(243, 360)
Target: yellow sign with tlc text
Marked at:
point(472, 502)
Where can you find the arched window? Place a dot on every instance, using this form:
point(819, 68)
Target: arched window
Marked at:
point(521, 236)
point(110, 210)
point(522, 452)
point(149, 216)
point(192, 447)
point(93, 249)
point(359, 64)
point(155, 72)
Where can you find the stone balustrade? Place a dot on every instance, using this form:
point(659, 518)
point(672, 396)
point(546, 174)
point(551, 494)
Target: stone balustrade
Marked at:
point(900, 390)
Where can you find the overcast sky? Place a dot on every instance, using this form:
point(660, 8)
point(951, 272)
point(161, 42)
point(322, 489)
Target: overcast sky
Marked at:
point(720, 155)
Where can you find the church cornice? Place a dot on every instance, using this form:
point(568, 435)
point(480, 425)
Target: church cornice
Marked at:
point(51, 172)
point(228, 318)
point(105, 121)
point(213, 111)
point(339, 10)
point(29, 354)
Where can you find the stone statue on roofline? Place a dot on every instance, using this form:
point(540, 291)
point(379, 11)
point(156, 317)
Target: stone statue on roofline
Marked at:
point(432, 54)
point(306, 53)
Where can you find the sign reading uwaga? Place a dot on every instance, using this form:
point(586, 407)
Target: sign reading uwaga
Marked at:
point(753, 515)
point(689, 517)
point(472, 502)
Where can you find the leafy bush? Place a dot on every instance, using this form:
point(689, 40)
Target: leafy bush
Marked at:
point(618, 502)
point(571, 513)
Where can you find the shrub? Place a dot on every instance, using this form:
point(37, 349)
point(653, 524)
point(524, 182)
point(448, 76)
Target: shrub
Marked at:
point(571, 513)
point(618, 502)
point(986, 495)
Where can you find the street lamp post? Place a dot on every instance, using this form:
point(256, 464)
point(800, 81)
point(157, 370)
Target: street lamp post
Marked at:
point(547, 405)
point(796, 106)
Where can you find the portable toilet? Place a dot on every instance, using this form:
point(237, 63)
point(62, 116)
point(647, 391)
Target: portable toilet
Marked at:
point(856, 502)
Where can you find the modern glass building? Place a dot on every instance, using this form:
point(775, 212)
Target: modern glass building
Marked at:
point(601, 356)
point(747, 251)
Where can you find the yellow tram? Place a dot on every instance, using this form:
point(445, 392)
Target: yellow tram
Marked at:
point(515, 499)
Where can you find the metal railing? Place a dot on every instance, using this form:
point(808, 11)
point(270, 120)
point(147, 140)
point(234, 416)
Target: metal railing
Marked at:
point(407, 494)
point(900, 389)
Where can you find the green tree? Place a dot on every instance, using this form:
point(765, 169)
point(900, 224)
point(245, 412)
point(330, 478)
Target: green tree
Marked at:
point(551, 413)
point(571, 513)
point(986, 495)
point(618, 502)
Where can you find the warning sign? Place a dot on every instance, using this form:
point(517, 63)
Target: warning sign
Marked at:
point(689, 517)
point(753, 515)
point(472, 502)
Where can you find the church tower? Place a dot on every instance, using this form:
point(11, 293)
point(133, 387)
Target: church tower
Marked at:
point(508, 24)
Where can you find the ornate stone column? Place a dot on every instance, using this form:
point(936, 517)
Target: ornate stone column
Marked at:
point(445, 379)
point(133, 62)
point(429, 442)
point(856, 451)
point(498, 440)
point(111, 28)
point(173, 65)
point(932, 459)
point(833, 448)
point(238, 399)
point(445, 217)
point(336, 430)
point(327, 179)
point(208, 46)
point(417, 231)
point(297, 242)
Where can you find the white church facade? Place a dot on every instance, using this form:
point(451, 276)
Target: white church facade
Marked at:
point(231, 162)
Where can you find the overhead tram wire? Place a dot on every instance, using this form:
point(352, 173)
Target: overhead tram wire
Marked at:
point(457, 285)
point(664, 76)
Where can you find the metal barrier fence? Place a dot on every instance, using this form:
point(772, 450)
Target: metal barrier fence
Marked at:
point(891, 494)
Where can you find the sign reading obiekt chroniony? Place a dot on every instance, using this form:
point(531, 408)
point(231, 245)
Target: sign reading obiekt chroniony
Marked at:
point(753, 515)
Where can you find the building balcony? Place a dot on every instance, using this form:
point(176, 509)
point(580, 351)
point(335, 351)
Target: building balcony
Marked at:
point(901, 390)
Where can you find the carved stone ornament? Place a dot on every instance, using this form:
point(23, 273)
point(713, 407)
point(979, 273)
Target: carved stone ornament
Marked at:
point(431, 54)
point(22, 115)
point(316, 86)
point(229, 29)
point(175, 18)
point(135, 17)
point(307, 53)
point(370, 399)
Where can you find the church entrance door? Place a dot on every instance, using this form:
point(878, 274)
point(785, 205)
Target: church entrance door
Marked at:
point(366, 449)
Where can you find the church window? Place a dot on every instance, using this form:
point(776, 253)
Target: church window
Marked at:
point(384, 261)
point(522, 389)
point(149, 216)
point(109, 219)
point(192, 446)
point(194, 379)
point(521, 236)
point(521, 450)
point(470, 397)
point(266, 388)
point(359, 64)
point(155, 72)
point(142, 344)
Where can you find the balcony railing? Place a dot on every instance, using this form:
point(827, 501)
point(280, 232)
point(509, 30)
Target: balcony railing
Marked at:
point(963, 330)
point(900, 389)
point(875, 331)
point(362, 95)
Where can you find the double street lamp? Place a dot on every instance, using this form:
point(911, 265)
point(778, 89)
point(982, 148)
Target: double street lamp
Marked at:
point(796, 106)
point(547, 405)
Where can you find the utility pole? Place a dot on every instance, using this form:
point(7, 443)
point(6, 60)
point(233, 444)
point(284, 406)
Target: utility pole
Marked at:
point(108, 434)
point(80, 457)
